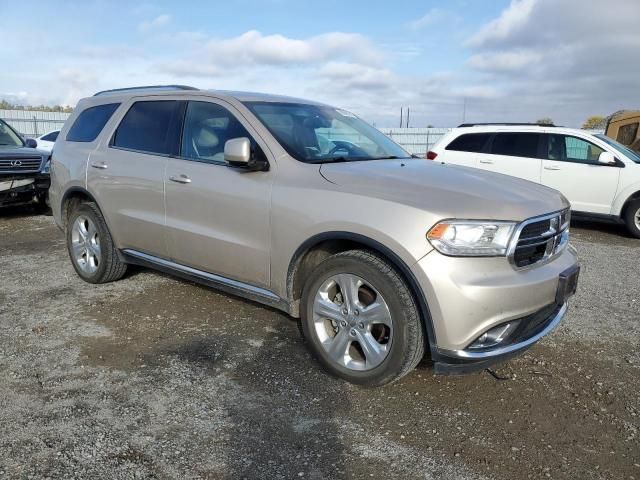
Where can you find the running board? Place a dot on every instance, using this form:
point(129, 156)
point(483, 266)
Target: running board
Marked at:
point(235, 287)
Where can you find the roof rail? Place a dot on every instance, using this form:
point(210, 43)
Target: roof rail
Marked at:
point(148, 87)
point(507, 124)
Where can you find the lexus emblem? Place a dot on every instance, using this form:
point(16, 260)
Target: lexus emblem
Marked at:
point(16, 163)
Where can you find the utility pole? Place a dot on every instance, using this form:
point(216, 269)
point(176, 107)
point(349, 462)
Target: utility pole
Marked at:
point(464, 109)
point(407, 117)
point(400, 117)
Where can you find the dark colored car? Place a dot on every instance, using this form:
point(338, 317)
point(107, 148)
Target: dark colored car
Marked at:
point(24, 171)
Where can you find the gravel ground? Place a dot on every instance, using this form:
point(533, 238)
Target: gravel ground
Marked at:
point(153, 377)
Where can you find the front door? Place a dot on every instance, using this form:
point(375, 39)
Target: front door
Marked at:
point(218, 217)
point(571, 166)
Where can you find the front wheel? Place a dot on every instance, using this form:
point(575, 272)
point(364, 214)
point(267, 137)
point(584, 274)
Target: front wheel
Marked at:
point(361, 320)
point(632, 218)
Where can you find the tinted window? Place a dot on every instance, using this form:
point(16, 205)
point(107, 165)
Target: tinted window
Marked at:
point(516, 144)
point(207, 127)
point(51, 137)
point(146, 127)
point(627, 133)
point(90, 123)
point(470, 142)
point(572, 149)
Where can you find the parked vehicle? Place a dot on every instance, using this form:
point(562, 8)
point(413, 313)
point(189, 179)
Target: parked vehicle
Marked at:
point(307, 208)
point(24, 172)
point(46, 141)
point(623, 127)
point(599, 176)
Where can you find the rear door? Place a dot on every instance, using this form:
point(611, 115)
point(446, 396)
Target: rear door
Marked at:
point(571, 166)
point(464, 149)
point(127, 175)
point(218, 217)
point(514, 153)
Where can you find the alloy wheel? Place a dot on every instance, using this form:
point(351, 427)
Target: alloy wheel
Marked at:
point(85, 244)
point(353, 322)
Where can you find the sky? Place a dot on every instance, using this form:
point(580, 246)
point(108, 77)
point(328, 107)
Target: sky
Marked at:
point(447, 61)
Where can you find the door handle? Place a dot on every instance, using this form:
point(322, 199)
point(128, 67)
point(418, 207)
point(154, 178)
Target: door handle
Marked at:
point(181, 179)
point(552, 167)
point(490, 162)
point(101, 165)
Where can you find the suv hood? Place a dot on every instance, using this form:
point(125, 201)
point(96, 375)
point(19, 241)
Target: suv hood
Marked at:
point(448, 191)
point(6, 151)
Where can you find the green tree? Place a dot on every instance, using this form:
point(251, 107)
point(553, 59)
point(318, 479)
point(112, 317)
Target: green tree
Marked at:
point(544, 121)
point(594, 122)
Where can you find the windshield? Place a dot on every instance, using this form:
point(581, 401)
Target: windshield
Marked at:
point(319, 134)
point(634, 156)
point(8, 137)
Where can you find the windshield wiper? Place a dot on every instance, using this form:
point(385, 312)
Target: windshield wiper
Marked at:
point(332, 160)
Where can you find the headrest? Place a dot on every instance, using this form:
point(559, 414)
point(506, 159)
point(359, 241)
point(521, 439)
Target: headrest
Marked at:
point(206, 138)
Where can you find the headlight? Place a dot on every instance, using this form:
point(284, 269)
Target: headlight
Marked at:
point(47, 166)
point(471, 238)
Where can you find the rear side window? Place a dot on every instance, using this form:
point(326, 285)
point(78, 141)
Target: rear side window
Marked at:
point(469, 142)
point(516, 144)
point(627, 133)
point(90, 123)
point(51, 137)
point(147, 127)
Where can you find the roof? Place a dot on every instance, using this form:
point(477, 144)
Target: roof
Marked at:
point(188, 90)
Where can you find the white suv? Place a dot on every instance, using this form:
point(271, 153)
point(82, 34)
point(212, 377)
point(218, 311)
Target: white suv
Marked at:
point(598, 175)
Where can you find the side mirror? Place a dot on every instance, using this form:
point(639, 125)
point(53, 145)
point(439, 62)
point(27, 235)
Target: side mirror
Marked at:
point(30, 142)
point(607, 158)
point(237, 153)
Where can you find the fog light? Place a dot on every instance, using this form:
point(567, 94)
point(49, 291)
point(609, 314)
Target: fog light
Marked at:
point(494, 336)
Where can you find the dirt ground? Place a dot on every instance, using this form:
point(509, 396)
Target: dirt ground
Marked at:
point(154, 377)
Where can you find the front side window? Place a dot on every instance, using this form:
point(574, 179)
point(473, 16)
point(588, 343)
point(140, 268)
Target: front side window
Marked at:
point(516, 144)
point(207, 127)
point(566, 148)
point(8, 137)
point(470, 142)
point(90, 123)
point(146, 127)
point(318, 134)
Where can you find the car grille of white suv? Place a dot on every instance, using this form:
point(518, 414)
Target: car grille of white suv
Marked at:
point(540, 238)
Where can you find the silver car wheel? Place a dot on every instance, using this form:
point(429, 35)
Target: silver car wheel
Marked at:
point(636, 219)
point(85, 244)
point(353, 322)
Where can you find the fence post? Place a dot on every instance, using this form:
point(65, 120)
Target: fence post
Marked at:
point(35, 126)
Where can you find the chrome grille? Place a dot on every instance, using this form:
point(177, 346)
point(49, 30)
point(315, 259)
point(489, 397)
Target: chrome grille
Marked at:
point(20, 164)
point(539, 239)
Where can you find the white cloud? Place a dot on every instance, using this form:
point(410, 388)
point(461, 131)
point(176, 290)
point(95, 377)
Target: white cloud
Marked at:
point(353, 76)
point(511, 19)
point(509, 61)
point(434, 17)
point(155, 23)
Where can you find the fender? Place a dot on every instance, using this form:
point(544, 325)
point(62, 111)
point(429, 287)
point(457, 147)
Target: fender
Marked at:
point(623, 197)
point(389, 254)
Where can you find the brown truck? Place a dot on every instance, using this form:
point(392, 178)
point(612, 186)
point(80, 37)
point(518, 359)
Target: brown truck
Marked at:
point(623, 127)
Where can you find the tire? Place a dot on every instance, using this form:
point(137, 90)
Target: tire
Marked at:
point(369, 345)
point(90, 246)
point(632, 218)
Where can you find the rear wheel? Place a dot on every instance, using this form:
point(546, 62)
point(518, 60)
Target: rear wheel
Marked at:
point(632, 218)
point(91, 247)
point(361, 320)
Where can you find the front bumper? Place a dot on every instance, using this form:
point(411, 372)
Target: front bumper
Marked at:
point(17, 190)
point(469, 296)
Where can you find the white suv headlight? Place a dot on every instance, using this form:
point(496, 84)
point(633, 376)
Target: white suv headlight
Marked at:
point(471, 238)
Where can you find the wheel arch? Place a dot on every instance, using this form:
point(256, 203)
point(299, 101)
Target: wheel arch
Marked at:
point(315, 249)
point(627, 202)
point(73, 196)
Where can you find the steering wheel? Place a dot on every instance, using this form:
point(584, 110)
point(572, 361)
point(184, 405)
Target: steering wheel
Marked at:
point(344, 147)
